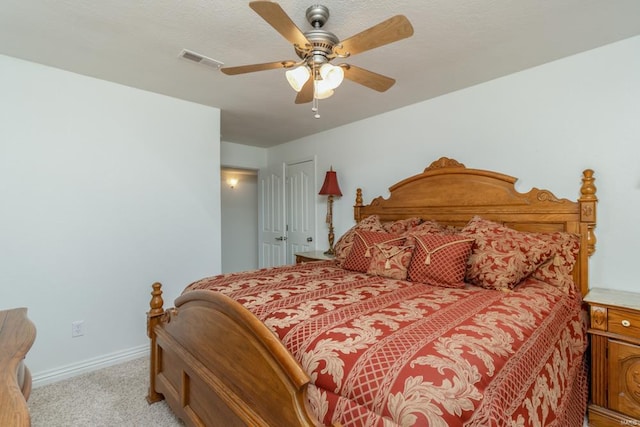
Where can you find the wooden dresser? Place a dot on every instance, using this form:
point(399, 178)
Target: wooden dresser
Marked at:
point(615, 357)
point(17, 334)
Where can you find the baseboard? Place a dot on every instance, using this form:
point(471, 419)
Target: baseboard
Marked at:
point(89, 365)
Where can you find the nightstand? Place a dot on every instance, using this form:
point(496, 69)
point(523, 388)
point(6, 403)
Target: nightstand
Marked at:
point(615, 357)
point(312, 256)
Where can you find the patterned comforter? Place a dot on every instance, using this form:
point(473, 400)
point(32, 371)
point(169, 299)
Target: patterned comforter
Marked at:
point(383, 352)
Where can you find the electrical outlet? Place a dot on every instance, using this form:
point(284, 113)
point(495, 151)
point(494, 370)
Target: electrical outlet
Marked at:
point(77, 328)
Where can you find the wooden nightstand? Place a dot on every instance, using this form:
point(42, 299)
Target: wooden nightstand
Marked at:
point(615, 357)
point(312, 256)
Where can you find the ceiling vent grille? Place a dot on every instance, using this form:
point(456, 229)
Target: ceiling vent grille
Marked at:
point(200, 59)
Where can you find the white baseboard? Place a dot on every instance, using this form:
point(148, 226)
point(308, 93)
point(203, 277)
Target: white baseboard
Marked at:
point(89, 365)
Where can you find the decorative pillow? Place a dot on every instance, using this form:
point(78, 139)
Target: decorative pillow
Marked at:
point(427, 227)
point(344, 243)
point(388, 260)
point(502, 257)
point(557, 269)
point(359, 256)
point(400, 226)
point(440, 259)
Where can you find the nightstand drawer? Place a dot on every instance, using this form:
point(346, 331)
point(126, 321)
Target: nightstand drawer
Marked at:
point(623, 322)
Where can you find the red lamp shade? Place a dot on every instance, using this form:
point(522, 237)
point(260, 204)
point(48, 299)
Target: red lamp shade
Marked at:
point(330, 186)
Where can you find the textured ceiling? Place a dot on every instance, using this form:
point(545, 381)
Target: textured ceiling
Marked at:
point(456, 44)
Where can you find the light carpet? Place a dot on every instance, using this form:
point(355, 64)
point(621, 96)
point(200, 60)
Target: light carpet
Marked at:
point(113, 396)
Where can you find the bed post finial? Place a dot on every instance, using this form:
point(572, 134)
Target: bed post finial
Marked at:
point(588, 200)
point(358, 205)
point(156, 300)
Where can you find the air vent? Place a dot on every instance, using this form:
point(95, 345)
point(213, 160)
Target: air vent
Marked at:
point(200, 59)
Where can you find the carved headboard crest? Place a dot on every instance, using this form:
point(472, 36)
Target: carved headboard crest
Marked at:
point(444, 162)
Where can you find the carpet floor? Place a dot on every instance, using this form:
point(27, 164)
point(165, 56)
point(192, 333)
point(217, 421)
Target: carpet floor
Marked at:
point(113, 396)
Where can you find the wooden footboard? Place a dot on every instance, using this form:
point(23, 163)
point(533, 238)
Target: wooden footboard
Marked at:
point(216, 364)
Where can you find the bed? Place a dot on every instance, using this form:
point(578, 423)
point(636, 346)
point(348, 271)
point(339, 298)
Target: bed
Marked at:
point(456, 300)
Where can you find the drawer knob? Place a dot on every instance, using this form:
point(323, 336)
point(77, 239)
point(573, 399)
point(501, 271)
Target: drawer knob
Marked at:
point(626, 323)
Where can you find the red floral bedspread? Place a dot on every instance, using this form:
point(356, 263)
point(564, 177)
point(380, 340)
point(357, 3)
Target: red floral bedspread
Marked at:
point(383, 352)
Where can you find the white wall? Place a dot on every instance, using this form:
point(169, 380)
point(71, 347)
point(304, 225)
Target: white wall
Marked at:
point(544, 125)
point(104, 189)
point(242, 156)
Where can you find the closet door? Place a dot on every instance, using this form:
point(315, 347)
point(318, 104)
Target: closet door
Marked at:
point(301, 197)
point(271, 217)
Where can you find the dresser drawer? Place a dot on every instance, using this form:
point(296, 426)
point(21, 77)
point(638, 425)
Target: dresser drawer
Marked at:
point(623, 322)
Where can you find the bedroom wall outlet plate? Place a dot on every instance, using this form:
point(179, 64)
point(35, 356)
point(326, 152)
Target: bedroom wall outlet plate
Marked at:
point(77, 328)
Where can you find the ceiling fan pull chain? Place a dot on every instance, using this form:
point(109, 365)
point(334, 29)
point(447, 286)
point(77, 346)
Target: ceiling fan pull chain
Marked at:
point(314, 106)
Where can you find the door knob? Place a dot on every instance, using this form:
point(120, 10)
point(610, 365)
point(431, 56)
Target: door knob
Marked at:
point(309, 239)
point(281, 238)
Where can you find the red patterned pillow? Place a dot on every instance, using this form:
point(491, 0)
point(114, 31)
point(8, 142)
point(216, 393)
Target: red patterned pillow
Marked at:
point(400, 226)
point(502, 257)
point(440, 259)
point(557, 269)
point(428, 227)
point(359, 256)
point(388, 260)
point(344, 243)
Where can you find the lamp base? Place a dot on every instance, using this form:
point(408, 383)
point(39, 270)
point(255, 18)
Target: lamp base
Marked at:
point(330, 251)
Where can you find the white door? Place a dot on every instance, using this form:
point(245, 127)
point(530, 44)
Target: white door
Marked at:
point(301, 212)
point(271, 217)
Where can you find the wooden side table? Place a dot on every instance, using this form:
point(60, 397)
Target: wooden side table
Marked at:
point(312, 256)
point(615, 357)
point(17, 335)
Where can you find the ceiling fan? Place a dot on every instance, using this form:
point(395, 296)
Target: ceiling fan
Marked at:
point(313, 76)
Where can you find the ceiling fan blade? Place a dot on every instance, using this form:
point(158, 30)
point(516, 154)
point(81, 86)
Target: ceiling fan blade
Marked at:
point(393, 29)
point(367, 78)
point(306, 93)
point(242, 69)
point(280, 21)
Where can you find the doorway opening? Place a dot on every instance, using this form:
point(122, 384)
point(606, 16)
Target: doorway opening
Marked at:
point(239, 219)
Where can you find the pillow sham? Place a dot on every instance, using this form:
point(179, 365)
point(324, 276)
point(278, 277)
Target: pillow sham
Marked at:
point(389, 260)
point(359, 256)
point(344, 243)
point(428, 227)
point(440, 259)
point(502, 257)
point(557, 269)
point(401, 226)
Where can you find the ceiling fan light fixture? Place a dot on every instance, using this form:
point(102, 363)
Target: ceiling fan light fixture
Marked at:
point(332, 74)
point(297, 77)
point(323, 89)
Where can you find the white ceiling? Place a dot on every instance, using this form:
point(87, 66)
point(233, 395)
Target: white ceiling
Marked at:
point(456, 44)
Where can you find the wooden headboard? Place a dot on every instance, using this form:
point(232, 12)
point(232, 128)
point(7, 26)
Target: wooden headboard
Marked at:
point(450, 193)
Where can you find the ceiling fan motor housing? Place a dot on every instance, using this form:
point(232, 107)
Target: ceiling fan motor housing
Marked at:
point(322, 44)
